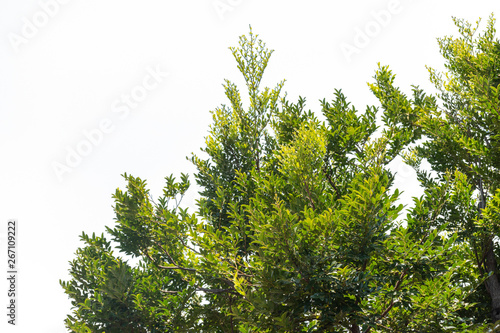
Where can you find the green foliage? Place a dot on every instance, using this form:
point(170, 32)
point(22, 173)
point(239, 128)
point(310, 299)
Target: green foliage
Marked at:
point(298, 227)
point(110, 296)
point(460, 142)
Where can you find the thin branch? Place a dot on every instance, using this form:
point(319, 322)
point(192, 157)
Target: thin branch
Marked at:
point(332, 184)
point(178, 267)
point(166, 252)
point(169, 291)
point(207, 290)
point(179, 238)
point(309, 196)
point(168, 267)
point(216, 291)
point(391, 304)
point(478, 262)
point(187, 246)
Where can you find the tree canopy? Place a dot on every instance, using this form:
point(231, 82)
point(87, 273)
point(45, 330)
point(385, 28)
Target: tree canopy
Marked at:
point(298, 226)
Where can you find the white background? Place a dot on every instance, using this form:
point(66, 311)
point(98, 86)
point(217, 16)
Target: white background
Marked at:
point(63, 72)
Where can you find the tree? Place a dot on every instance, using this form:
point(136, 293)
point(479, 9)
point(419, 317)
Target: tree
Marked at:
point(461, 135)
point(298, 227)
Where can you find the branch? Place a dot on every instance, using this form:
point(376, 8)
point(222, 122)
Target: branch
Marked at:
point(391, 304)
point(168, 267)
point(166, 252)
point(186, 246)
point(207, 290)
point(332, 184)
point(309, 195)
point(178, 237)
point(177, 267)
point(478, 262)
point(216, 291)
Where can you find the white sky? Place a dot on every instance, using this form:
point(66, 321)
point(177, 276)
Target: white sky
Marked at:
point(69, 72)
